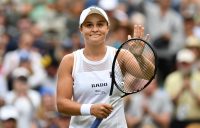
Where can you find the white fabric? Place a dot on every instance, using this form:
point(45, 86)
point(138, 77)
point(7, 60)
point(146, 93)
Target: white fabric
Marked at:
point(185, 55)
point(26, 107)
point(91, 10)
point(85, 109)
point(3, 86)
point(92, 85)
point(12, 60)
point(8, 112)
point(159, 102)
point(157, 25)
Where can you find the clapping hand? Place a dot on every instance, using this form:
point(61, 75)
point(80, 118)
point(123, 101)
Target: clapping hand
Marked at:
point(136, 46)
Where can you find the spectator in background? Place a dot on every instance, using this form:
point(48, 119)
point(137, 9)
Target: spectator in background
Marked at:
point(192, 6)
point(151, 108)
point(8, 117)
point(49, 12)
point(40, 42)
point(46, 113)
point(62, 121)
point(66, 47)
point(3, 90)
point(183, 86)
point(193, 43)
point(23, 25)
point(166, 29)
point(74, 10)
point(119, 34)
point(25, 51)
point(135, 6)
point(137, 18)
point(24, 99)
point(2, 23)
point(189, 25)
point(2, 102)
point(3, 82)
point(4, 39)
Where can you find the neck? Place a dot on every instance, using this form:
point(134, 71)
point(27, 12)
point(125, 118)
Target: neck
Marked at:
point(95, 52)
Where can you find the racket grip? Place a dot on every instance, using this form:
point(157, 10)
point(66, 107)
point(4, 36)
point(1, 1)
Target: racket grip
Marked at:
point(96, 123)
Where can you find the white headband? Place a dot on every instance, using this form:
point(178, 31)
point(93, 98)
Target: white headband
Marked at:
point(91, 10)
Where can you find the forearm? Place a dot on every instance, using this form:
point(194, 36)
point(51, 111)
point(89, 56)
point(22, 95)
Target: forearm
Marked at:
point(195, 96)
point(162, 119)
point(2, 102)
point(68, 107)
point(176, 97)
point(146, 66)
point(132, 121)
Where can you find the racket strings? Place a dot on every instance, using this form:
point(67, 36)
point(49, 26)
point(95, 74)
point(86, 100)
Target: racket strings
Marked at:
point(130, 83)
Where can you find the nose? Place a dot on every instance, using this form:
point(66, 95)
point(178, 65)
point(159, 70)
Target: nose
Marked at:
point(95, 28)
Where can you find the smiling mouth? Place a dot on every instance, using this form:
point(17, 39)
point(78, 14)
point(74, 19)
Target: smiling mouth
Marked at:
point(95, 35)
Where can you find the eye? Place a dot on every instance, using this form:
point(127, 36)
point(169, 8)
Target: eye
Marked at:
point(89, 25)
point(100, 24)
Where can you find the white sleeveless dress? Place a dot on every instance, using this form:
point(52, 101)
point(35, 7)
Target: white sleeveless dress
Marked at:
point(92, 84)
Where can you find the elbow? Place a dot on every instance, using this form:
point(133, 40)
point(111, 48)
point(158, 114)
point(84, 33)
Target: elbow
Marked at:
point(60, 106)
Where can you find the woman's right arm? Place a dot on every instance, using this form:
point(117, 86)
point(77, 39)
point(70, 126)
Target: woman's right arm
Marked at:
point(64, 101)
point(65, 104)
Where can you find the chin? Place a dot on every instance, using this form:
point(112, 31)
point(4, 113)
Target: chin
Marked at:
point(96, 40)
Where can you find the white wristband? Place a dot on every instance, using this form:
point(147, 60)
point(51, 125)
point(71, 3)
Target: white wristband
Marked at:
point(85, 109)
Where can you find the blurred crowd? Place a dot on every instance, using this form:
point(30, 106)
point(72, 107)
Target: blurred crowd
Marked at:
point(36, 34)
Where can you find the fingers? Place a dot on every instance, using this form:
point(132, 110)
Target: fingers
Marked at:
point(138, 32)
point(101, 110)
point(129, 37)
point(147, 38)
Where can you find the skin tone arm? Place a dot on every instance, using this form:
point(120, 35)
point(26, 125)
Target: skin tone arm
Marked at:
point(64, 88)
point(161, 118)
point(144, 65)
point(186, 87)
point(2, 102)
point(132, 121)
point(65, 104)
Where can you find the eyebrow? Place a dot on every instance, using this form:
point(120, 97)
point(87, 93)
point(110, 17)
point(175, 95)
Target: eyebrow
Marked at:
point(97, 21)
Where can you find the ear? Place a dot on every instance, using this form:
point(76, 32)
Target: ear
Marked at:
point(108, 28)
point(80, 29)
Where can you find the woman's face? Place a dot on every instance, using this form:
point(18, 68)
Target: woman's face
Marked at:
point(94, 29)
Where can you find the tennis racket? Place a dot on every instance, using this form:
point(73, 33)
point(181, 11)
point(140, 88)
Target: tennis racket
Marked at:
point(134, 67)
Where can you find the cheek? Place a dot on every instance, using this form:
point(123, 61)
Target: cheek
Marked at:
point(105, 32)
point(85, 33)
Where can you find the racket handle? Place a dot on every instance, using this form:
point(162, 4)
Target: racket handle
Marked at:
point(96, 123)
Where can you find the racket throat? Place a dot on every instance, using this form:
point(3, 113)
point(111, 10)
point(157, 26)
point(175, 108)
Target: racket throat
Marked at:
point(112, 87)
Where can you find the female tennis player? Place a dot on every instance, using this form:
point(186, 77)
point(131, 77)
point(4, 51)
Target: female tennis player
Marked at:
point(84, 80)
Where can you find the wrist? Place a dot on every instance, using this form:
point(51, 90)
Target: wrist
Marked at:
point(85, 109)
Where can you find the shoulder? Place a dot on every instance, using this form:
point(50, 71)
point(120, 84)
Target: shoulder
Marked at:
point(196, 75)
point(33, 93)
point(9, 97)
point(162, 94)
point(11, 54)
point(66, 63)
point(111, 48)
point(173, 75)
point(68, 58)
point(151, 8)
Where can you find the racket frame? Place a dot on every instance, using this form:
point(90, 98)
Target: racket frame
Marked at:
point(113, 81)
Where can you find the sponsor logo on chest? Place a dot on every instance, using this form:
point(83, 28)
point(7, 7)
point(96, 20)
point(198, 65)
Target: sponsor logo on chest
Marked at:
point(99, 85)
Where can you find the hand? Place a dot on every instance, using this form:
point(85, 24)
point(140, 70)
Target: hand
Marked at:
point(137, 47)
point(186, 84)
point(101, 110)
point(145, 106)
point(2, 102)
point(146, 109)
